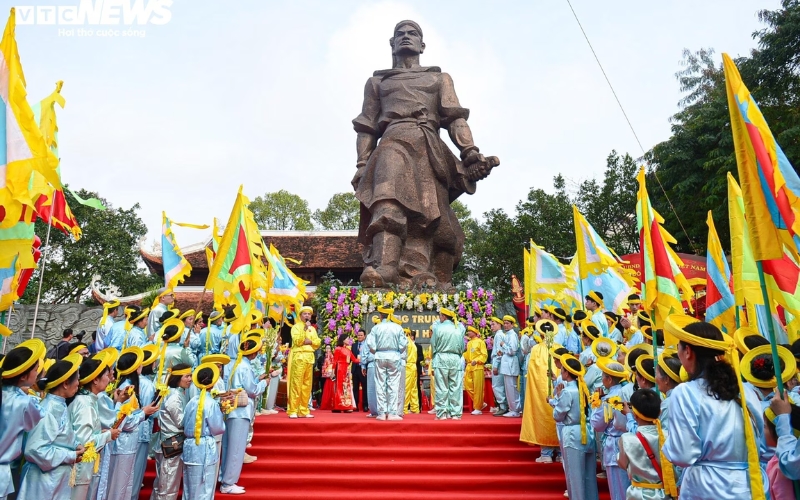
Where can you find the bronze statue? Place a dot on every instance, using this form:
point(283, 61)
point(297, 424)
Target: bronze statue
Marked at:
point(407, 177)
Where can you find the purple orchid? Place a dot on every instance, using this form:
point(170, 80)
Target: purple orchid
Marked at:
point(480, 293)
point(340, 301)
point(353, 293)
point(332, 292)
point(327, 341)
point(476, 306)
point(346, 309)
point(356, 311)
point(348, 326)
point(469, 294)
point(462, 311)
point(489, 309)
point(482, 323)
point(331, 324)
point(489, 343)
point(470, 321)
point(329, 307)
point(339, 315)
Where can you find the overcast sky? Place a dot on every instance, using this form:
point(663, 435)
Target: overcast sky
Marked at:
point(262, 93)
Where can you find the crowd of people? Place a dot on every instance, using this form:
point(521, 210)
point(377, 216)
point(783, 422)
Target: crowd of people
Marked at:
point(700, 418)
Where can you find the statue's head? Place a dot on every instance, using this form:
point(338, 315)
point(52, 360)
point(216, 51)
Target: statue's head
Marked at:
point(407, 39)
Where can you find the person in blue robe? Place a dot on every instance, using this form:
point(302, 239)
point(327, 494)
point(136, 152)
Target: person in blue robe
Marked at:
point(124, 449)
point(602, 420)
point(95, 375)
point(708, 416)
point(238, 421)
point(202, 422)
point(19, 411)
point(51, 448)
point(576, 437)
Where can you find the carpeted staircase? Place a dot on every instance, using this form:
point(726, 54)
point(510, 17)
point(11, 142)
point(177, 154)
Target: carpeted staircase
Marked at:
point(345, 456)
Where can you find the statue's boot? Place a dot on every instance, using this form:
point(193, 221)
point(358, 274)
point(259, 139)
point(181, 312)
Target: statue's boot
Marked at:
point(386, 248)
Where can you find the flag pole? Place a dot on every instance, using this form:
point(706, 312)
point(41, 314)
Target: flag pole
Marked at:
point(771, 328)
point(3, 316)
point(41, 275)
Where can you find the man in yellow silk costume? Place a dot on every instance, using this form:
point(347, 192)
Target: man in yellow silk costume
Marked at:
point(411, 403)
point(538, 426)
point(475, 356)
point(304, 342)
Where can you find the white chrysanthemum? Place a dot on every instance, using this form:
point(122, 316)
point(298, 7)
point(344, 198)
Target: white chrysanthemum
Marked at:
point(434, 299)
point(430, 305)
point(395, 303)
point(371, 307)
point(410, 304)
point(419, 308)
point(364, 299)
point(456, 298)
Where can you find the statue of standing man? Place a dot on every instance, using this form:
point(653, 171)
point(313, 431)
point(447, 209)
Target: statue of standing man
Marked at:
point(407, 176)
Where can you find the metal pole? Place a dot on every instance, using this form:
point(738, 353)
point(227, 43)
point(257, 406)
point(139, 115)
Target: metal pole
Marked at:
point(3, 316)
point(41, 278)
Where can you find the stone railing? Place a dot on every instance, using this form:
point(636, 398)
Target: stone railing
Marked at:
point(51, 321)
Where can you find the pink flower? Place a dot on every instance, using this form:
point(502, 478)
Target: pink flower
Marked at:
point(353, 293)
point(356, 311)
point(341, 299)
point(489, 343)
point(346, 310)
point(489, 309)
point(327, 341)
point(329, 307)
point(482, 323)
point(469, 294)
point(462, 311)
point(476, 307)
point(331, 324)
point(480, 293)
point(348, 326)
point(332, 292)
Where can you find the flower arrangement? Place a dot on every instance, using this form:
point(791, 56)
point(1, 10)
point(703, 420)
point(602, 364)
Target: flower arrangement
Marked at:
point(348, 308)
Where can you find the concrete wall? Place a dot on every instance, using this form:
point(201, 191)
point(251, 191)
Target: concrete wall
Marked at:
point(51, 321)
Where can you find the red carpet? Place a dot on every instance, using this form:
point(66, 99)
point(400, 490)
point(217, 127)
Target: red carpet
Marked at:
point(346, 456)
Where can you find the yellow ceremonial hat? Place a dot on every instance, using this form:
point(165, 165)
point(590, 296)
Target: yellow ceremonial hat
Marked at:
point(545, 326)
point(612, 368)
point(739, 338)
point(554, 351)
point(473, 330)
point(511, 319)
point(136, 351)
point(640, 368)
point(662, 355)
point(75, 361)
point(447, 312)
point(142, 315)
point(202, 366)
point(496, 320)
point(577, 373)
point(150, 354)
point(306, 309)
point(257, 316)
point(175, 336)
point(648, 348)
point(186, 314)
point(38, 352)
point(222, 359)
point(764, 353)
point(254, 349)
point(385, 310)
point(606, 345)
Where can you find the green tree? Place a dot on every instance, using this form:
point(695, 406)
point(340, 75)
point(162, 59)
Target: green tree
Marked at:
point(109, 248)
point(281, 211)
point(342, 212)
point(463, 274)
point(692, 164)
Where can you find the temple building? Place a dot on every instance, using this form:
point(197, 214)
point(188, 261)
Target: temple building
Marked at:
point(318, 253)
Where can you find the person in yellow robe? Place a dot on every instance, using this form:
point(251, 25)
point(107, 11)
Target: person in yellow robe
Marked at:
point(538, 426)
point(301, 372)
point(411, 402)
point(475, 357)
